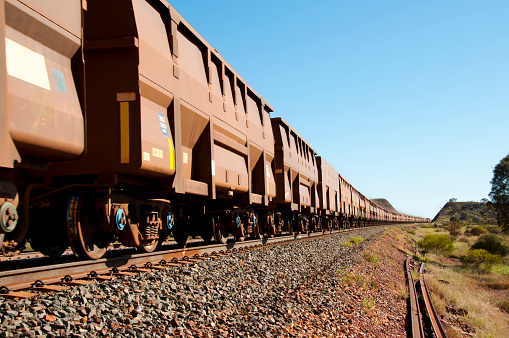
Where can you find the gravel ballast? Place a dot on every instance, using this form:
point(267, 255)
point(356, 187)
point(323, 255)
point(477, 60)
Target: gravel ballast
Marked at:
point(316, 287)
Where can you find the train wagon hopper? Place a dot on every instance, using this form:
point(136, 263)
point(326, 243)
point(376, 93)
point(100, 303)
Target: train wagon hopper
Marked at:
point(296, 179)
point(370, 211)
point(363, 216)
point(378, 215)
point(41, 119)
point(328, 195)
point(356, 207)
point(234, 145)
point(346, 211)
point(177, 144)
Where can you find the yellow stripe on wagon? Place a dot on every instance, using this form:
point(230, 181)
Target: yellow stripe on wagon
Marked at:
point(124, 132)
point(171, 154)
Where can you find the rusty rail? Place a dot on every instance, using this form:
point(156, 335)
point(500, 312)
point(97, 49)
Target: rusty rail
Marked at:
point(432, 313)
point(415, 313)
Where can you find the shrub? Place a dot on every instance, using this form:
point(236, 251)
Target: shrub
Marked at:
point(480, 260)
point(411, 232)
point(439, 244)
point(495, 230)
point(491, 243)
point(347, 244)
point(477, 230)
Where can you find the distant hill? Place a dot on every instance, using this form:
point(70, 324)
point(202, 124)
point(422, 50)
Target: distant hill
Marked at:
point(383, 203)
point(469, 212)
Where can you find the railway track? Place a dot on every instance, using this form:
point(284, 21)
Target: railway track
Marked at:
point(419, 327)
point(31, 275)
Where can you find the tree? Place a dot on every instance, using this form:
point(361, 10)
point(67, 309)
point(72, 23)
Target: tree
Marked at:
point(452, 200)
point(500, 192)
point(454, 228)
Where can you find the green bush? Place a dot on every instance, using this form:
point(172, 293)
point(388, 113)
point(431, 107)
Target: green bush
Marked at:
point(438, 244)
point(477, 230)
point(480, 260)
point(491, 243)
point(411, 232)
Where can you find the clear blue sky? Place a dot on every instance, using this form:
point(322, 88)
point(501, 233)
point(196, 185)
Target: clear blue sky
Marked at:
point(408, 100)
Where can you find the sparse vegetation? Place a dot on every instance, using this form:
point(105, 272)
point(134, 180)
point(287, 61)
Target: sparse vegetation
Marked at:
point(370, 257)
point(356, 240)
point(367, 304)
point(347, 244)
point(470, 213)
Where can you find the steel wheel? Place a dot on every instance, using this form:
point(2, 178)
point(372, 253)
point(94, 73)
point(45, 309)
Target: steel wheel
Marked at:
point(49, 234)
point(179, 233)
point(240, 232)
point(220, 230)
point(52, 246)
point(271, 225)
point(87, 239)
point(257, 228)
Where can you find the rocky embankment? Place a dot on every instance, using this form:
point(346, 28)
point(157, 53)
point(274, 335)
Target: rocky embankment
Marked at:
point(314, 288)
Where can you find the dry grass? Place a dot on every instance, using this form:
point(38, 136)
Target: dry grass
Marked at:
point(485, 297)
point(467, 292)
point(472, 293)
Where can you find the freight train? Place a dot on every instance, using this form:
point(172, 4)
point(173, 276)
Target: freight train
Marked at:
point(120, 123)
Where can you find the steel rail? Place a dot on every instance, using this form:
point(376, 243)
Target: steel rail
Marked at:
point(415, 313)
point(432, 313)
point(24, 278)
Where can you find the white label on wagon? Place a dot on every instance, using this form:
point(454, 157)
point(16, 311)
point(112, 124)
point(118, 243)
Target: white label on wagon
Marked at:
point(157, 153)
point(26, 65)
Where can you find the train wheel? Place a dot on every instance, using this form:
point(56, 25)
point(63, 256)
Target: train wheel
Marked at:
point(291, 227)
point(180, 235)
point(272, 226)
point(207, 228)
point(87, 239)
point(220, 230)
point(240, 232)
point(49, 234)
point(257, 228)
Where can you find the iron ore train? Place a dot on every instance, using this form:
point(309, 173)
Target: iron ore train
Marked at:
point(119, 122)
